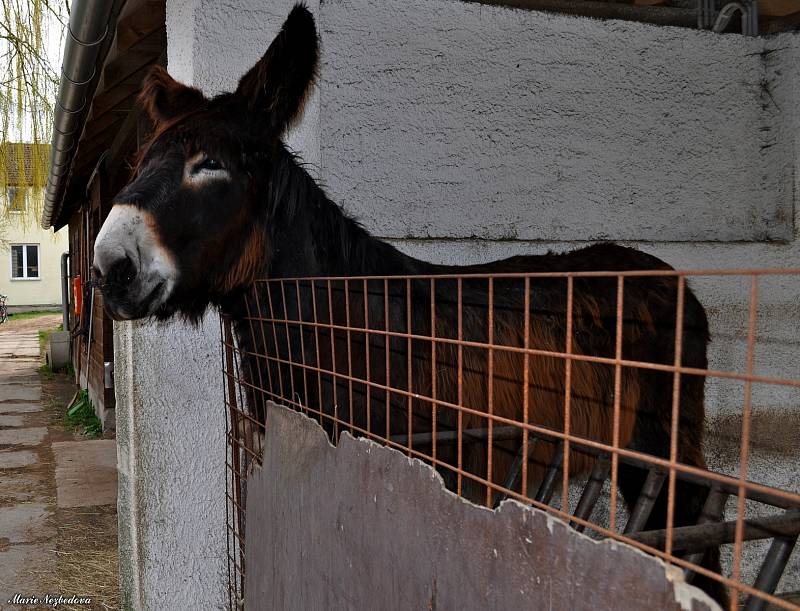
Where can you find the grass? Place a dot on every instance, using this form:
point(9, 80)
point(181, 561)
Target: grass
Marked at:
point(44, 369)
point(46, 372)
point(44, 335)
point(31, 314)
point(81, 414)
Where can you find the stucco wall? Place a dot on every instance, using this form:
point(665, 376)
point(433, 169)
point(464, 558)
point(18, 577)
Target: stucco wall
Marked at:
point(514, 124)
point(46, 290)
point(466, 133)
point(170, 407)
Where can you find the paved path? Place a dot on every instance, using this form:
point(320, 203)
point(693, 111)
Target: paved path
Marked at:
point(26, 484)
point(40, 473)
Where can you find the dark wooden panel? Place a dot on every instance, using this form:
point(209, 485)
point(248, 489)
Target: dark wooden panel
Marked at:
point(123, 90)
point(147, 17)
point(659, 15)
point(98, 125)
point(100, 343)
point(142, 54)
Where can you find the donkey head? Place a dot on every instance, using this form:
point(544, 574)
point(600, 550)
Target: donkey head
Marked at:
point(190, 227)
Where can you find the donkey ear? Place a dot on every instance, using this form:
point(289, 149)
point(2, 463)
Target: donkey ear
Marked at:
point(281, 80)
point(164, 98)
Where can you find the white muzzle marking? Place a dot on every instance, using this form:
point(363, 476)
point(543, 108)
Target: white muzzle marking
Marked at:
point(129, 232)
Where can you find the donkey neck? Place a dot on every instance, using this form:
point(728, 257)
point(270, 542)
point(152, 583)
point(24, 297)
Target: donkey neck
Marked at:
point(312, 236)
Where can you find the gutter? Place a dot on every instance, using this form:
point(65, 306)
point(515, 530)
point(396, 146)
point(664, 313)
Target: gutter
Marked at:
point(90, 25)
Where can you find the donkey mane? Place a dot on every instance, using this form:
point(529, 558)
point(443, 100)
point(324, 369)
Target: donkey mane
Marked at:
point(344, 245)
point(295, 214)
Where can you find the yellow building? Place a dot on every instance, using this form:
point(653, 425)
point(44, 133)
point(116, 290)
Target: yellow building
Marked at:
point(30, 257)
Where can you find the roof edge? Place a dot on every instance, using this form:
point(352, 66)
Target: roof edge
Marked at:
point(90, 30)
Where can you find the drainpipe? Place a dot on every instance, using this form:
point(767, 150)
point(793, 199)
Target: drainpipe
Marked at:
point(749, 12)
point(65, 290)
point(89, 27)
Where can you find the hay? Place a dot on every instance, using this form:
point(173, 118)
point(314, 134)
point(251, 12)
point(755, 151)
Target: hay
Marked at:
point(85, 561)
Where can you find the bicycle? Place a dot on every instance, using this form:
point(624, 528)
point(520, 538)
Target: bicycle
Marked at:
point(3, 309)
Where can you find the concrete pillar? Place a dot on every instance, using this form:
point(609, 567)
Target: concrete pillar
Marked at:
point(171, 419)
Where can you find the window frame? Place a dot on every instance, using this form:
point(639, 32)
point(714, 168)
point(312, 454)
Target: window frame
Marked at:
point(25, 277)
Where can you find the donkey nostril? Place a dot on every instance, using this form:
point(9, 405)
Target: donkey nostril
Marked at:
point(123, 271)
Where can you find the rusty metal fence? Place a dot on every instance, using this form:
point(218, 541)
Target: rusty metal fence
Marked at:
point(501, 384)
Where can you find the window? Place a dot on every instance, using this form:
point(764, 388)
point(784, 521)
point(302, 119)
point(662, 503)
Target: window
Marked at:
point(25, 262)
point(16, 197)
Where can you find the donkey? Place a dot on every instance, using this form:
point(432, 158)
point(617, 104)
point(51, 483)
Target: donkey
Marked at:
point(218, 202)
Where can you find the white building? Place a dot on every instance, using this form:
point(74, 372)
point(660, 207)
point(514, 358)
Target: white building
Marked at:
point(30, 257)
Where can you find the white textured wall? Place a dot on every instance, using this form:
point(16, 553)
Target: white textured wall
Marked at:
point(468, 133)
point(171, 418)
point(514, 124)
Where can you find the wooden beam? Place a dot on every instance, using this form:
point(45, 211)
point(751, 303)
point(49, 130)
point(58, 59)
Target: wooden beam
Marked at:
point(88, 155)
point(98, 126)
point(124, 89)
point(126, 139)
point(100, 131)
point(112, 114)
point(773, 25)
point(144, 19)
point(123, 147)
point(143, 53)
point(662, 15)
point(778, 8)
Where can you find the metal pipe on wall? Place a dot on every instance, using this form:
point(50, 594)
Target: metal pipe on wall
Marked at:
point(65, 290)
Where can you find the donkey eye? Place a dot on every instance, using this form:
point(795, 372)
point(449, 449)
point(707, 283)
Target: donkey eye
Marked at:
point(201, 170)
point(207, 164)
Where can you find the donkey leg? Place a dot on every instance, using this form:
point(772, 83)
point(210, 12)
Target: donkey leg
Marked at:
point(651, 436)
point(689, 501)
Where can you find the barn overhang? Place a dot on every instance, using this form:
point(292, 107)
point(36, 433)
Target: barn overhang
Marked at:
point(109, 47)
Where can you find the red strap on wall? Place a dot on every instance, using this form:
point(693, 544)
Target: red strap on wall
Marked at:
point(77, 295)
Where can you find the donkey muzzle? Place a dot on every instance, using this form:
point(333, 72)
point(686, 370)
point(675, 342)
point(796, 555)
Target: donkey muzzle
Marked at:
point(133, 269)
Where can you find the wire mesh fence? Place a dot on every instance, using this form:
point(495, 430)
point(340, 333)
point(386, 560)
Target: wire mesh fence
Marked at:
point(586, 394)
